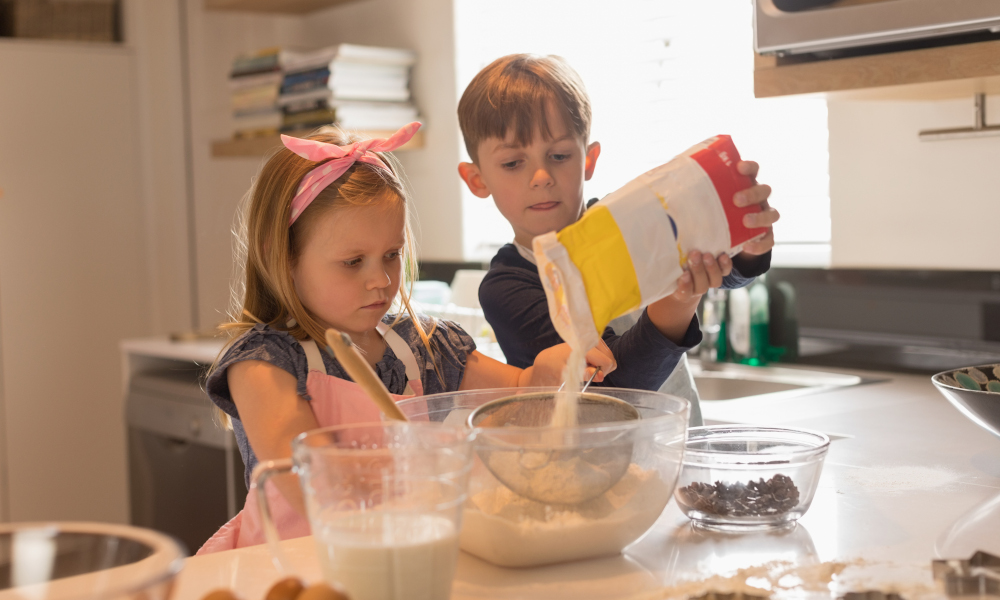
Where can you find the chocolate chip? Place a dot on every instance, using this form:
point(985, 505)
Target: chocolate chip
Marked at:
point(775, 496)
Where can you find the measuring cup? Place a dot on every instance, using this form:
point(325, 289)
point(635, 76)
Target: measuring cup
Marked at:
point(384, 502)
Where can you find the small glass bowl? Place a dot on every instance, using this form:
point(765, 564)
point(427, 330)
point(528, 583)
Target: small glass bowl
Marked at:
point(747, 478)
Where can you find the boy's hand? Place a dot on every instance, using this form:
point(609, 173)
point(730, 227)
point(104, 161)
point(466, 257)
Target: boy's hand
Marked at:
point(704, 272)
point(758, 194)
point(672, 315)
point(549, 364)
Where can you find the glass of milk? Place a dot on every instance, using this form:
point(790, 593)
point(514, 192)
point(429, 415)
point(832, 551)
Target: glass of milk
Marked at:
point(384, 503)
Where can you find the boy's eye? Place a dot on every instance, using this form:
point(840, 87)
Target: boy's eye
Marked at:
point(510, 165)
point(353, 262)
point(560, 157)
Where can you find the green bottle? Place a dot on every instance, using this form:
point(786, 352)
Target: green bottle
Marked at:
point(760, 336)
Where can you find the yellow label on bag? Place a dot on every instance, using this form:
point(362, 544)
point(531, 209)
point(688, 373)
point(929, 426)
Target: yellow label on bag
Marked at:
point(596, 246)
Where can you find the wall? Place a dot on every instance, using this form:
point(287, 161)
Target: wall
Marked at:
point(152, 30)
point(219, 183)
point(897, 202)
point(426, 26)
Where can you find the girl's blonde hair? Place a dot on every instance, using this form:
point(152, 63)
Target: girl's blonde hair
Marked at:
point(267, 248)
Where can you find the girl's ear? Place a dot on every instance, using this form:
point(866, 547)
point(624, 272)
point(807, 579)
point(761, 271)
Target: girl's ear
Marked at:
point(473, 178)
point(593, 152)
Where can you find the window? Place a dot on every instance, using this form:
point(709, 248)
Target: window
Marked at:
point(662, 76)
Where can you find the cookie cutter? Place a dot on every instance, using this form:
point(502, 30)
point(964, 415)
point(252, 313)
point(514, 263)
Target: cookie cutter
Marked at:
point(871, 595)
point(727, 596)
point(977, 576)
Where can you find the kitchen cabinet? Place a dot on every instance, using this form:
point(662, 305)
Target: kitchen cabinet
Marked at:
point(185, 472)
point(924, 74)
point(73, 274)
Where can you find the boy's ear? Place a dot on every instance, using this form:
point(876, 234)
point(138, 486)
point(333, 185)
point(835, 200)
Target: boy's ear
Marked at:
point(593, 152)
point(473, 178)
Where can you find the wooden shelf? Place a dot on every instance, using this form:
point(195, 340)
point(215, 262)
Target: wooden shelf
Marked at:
point(929, 73)
point(296, 7)
point(257, 147)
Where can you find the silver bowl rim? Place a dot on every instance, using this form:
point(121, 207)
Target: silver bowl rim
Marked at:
point(642, 422)
point(935, 380)
point(154, 539)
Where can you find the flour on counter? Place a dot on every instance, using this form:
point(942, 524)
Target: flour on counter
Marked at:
point(761, 580)
point(899, 479)
point(831, 579)
point(509, 530)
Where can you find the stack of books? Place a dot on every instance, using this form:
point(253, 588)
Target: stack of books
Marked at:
point(255, 83)
point(355, 87)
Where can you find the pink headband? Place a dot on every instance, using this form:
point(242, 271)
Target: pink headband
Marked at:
point(343, 157)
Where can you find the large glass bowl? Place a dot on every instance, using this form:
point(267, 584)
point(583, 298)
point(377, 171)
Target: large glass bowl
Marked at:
point(509, 530)
point(742, 478)
point(93, 561)
point(975, 392)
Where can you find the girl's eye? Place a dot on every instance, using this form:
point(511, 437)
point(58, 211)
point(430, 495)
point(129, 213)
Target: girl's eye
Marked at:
point(393, 255)
point(353, 262)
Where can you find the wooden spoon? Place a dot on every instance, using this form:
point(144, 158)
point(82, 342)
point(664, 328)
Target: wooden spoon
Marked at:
point(362, 373)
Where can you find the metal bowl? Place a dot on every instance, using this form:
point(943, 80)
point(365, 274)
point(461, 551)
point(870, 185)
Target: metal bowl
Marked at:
point(975, 392)
point(586, 469)
point(98, 561)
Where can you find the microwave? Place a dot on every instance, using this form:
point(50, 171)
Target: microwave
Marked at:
point(785, 27)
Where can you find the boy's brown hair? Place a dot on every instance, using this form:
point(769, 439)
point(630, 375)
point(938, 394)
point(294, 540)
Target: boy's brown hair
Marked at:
point(513, 92)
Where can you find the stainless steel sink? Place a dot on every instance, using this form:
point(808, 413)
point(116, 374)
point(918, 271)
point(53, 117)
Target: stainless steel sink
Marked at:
point(727, 381)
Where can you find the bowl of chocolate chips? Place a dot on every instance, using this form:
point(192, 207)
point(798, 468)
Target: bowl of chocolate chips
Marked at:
point(744, 478)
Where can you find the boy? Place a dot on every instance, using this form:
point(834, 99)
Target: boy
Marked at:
point(526, 124)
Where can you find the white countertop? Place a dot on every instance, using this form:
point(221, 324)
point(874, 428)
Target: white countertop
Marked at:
point(203, 351)
point(911, 480)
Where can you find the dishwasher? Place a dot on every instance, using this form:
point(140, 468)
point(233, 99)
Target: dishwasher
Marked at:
point(185, 470)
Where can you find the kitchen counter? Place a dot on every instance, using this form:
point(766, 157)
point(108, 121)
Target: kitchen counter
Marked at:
point(906, 480)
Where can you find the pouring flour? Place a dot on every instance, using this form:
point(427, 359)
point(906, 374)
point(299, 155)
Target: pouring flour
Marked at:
point(630, 248)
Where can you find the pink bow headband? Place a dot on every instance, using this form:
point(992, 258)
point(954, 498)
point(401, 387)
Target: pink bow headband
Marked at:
point(343, 157)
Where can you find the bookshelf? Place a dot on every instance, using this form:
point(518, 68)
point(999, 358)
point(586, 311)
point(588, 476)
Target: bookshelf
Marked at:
point(258, 146)
point(296, 7)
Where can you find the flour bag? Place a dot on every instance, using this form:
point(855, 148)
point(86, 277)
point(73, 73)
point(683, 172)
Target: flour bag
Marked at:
point(629, 249)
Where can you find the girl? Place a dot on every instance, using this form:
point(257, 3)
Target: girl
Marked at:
point(325, 242)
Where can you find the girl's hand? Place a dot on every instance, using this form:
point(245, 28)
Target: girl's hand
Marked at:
point(550, 363)
point(758, 194)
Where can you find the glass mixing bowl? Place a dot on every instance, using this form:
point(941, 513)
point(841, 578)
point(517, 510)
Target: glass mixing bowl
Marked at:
point(93, 561)
point(511, 530)
point(741, 478)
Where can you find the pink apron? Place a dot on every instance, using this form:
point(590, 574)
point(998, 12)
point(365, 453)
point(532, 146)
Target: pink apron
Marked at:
point(335, 401)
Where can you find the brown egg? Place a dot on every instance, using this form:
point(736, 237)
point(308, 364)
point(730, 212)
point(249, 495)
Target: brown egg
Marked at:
point(322, 591)
point(221, 594)
point(288, 588)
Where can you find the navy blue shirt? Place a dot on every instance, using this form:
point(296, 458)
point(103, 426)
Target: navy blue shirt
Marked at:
point(513, 301)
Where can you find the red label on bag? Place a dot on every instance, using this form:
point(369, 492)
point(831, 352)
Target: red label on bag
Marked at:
point(719, 163)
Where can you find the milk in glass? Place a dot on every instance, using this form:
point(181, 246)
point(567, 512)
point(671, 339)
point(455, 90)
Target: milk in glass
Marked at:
point(381, 555)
